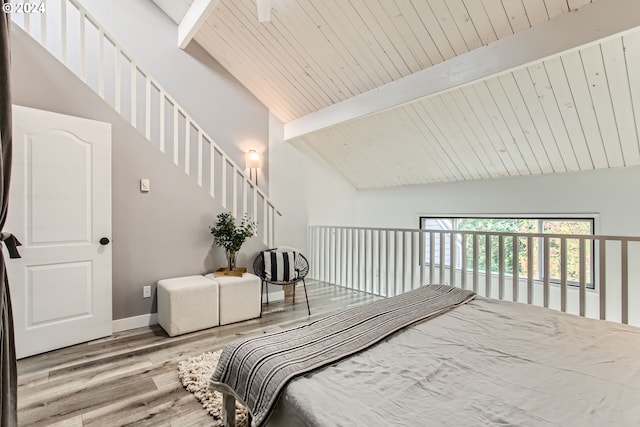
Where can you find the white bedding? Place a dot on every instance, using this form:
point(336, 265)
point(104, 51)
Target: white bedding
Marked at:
point(485, 363)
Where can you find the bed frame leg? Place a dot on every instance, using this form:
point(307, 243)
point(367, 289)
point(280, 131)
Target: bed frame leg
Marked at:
point(228, 410)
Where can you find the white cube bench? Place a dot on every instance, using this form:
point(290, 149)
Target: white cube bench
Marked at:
point(190, 303)
point(239, 297)
point(187, 304)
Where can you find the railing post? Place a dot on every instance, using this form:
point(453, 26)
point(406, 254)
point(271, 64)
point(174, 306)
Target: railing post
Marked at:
point(147, 111)
point(403, 262)
point(234, 196)
point(487, 268)
point(546, 278)
point(83, 45)
point(27, 23)
point(134, 94)
point(187, 146)
point(336, 255)
point(162, 107)
point(43, 29)
point(563, 274)
point(176, 133)
point(422, 256)
point(475, 262)
point(369, 260)
point(343, 256)
point(255, 202)
point(361, 256)
point(118, 92)
point(443, 263)
point(199, 171)
point(101, 65)
point(351, 259)
point(326, 250)
point(245, 196)
point(314, 253)
point(385, 236)
point(463, 261)
point(359, 250)
point(452, 258)
point(63, 31)
point(432, 256)
point(379, 246)
point(415, 261)
point(212, 171)
point(583, 289)
point(602, 283)
point(394, 264)
point(390, 278)
point(501, 267)
point(223, 180)
point(529, 269)
point(624, 255)
point(272, 226)
point(516, 268)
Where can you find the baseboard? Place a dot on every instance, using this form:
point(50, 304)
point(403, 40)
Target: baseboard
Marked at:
point(152, 319)
point(135, 322)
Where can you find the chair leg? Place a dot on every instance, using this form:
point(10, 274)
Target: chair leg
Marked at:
point(266, 290)
point(305, 296)
point(261, 295)
point(294, 293)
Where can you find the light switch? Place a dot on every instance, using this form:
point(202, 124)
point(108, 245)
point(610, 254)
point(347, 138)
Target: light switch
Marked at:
point(145, 185)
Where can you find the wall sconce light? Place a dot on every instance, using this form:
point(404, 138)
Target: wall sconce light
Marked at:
point(253, 164)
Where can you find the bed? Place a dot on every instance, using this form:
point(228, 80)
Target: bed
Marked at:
point(479, 362)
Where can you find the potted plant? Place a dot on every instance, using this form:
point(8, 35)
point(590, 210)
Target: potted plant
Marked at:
point(230, 236)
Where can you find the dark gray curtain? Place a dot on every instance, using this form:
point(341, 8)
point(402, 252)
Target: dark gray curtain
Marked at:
point(8, 373)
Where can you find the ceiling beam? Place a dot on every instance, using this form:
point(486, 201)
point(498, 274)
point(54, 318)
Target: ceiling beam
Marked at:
point(589, 24)
point(193, 20)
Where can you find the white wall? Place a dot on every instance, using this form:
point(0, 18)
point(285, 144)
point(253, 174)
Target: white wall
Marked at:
point(225, 109)
point(306, 189)
point(609, 193)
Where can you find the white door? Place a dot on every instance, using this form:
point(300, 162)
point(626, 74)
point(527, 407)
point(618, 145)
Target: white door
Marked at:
point(60, 209)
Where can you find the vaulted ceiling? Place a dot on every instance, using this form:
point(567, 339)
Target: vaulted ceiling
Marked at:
point(395, 92)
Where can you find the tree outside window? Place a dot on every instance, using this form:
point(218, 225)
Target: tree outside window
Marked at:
point(523, 226)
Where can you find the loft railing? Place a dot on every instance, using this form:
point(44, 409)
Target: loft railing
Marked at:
point(75, 38)
point(588, 275)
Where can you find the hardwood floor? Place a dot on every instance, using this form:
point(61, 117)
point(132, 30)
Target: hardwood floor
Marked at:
point(131, 377)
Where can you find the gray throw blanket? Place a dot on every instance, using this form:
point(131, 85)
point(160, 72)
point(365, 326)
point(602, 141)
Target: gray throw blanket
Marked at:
point(255, 370)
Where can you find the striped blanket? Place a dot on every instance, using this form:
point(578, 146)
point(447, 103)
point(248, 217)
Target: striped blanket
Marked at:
point(255, 370)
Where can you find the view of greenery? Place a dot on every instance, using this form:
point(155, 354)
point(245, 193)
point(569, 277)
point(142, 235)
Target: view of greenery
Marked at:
point(522, 225)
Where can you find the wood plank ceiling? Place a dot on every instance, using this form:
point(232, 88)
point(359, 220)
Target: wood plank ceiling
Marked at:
point(572, 113)
point(575, 112)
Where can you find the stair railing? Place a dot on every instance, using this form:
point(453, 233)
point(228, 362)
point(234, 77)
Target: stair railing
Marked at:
point(76, 39)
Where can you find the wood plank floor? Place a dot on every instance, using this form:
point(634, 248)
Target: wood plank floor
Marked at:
point(131, 377)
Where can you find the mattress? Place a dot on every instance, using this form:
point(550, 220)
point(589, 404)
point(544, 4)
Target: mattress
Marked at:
point(485, 363)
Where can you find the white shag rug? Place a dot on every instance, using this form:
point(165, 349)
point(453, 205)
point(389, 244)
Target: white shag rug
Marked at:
point(195, 373)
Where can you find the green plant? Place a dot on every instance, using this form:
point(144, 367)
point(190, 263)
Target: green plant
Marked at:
point(229, 236)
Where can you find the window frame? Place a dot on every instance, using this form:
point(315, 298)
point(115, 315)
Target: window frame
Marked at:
point(541, 218)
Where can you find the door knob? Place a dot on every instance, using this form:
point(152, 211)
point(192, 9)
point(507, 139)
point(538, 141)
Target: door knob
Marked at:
point(104, 241)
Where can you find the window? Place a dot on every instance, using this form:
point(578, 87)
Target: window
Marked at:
point(575, 226)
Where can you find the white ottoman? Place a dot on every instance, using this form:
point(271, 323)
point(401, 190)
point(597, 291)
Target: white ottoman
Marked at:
point(187, 304)
point(240, 297)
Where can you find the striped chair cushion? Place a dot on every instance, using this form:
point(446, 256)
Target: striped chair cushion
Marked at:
point(280, 266)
